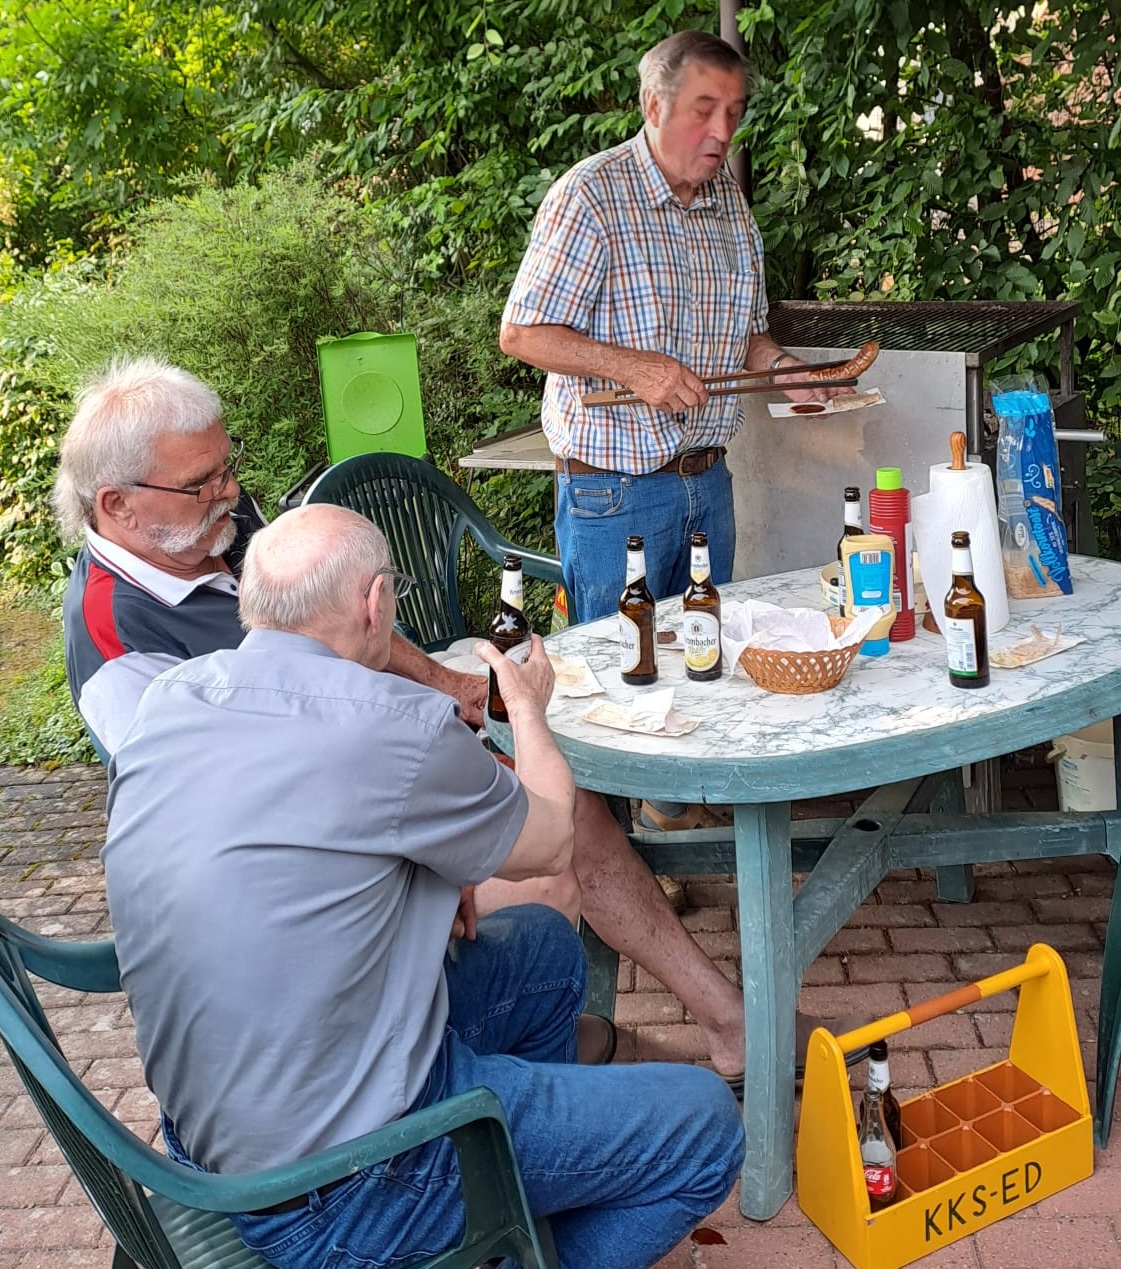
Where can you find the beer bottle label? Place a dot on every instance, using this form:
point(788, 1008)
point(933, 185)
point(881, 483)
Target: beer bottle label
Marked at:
point(512, 588)
point(628, 644)
point(961, 646)
point(519, 653)
point(636, 566)
point(698, 564)
point(879, 1077)
point(700, 633)
point(506, 623)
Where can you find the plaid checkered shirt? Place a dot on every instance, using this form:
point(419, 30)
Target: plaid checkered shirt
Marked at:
point(616, 256)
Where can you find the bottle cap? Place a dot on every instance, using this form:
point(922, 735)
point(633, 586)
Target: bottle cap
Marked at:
point(877, 1050)
point(889, 478)
point(874, 647)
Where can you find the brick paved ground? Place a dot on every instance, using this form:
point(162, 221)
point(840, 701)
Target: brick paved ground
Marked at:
point(902, 946)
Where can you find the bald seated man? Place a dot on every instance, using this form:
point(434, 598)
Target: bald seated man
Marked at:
point(308, 828)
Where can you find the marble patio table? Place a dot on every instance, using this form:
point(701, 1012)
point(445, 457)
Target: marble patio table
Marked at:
point(894, 722)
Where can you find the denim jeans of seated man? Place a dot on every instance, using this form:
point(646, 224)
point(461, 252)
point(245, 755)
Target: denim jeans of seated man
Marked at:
point(624, 1160)
point(596, 513)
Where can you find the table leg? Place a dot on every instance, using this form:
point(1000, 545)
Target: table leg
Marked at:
point(770, 990)
point(954, 881)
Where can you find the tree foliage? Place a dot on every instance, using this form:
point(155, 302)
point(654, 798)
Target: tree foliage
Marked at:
point(238, 285)
point(955, 150)
point(102, 107)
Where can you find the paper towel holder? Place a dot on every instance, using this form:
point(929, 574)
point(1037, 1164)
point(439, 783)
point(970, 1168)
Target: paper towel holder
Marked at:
point(957, 451)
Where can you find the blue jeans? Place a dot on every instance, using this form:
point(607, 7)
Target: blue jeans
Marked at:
point(625, 1160)
point(596, 513)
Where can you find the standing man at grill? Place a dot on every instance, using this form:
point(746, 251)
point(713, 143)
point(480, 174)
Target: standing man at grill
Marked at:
point(645, 270)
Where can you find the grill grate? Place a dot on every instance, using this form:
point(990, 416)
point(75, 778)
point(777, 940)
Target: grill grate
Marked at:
point(984, 328)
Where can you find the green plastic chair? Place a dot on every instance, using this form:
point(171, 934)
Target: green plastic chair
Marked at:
point(425, 517)
point(164, 1215)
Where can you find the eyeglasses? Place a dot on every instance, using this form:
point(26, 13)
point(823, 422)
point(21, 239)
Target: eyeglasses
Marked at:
point(402, 582)
point(210, 489)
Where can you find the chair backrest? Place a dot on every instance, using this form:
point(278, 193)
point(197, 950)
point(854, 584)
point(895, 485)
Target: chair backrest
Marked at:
point(370, 385)
point(165, 1215)
point(424, 515)
point(74, 1117)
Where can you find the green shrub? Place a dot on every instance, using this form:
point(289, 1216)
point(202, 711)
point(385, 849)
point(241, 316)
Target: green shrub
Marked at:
point(38, 722)
point(30, 413)
point(237, 285)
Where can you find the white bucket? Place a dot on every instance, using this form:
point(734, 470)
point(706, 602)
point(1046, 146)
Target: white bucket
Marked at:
point(1084, 769)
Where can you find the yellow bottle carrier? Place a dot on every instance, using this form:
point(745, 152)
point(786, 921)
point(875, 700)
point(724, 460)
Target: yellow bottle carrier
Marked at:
point(973, 1151)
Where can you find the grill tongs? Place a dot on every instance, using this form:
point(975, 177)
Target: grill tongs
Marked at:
point(763, 380)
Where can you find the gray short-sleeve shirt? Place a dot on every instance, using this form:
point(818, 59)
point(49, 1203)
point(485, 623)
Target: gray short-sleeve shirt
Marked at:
point(288, 835)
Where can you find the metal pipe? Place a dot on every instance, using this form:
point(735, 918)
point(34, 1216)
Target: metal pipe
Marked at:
point(1086, 438)
point(730, 33)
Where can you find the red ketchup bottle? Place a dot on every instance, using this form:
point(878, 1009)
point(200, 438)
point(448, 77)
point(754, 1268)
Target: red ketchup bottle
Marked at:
point(889, 511)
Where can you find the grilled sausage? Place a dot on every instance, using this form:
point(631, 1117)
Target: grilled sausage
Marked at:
point(852, 369)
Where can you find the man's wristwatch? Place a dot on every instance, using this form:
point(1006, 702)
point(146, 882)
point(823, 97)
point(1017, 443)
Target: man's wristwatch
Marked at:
point(777, 361)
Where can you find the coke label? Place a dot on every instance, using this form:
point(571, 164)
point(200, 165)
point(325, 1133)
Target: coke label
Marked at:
point(879, 1180)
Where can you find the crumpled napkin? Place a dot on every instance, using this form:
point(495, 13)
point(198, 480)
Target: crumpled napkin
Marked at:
point(460, 656)
point(651, 713)
point(573, 676)
point(1036, 647)
point(757, 624)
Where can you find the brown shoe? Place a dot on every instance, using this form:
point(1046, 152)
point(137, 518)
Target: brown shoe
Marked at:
point(696, 815)
point(596, 1040)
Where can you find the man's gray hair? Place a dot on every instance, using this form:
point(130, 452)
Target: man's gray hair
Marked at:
point(661, 70)
point(289, 582)
point(120, 416)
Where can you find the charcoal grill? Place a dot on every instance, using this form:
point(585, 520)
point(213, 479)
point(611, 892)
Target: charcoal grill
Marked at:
point(981, 330)
point(790, 475)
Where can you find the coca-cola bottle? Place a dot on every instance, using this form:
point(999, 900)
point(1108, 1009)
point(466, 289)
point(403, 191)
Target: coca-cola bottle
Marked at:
point(879, 1076)
point(877, 1151)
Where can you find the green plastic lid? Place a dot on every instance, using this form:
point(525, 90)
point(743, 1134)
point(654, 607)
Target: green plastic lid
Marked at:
point(889, 478)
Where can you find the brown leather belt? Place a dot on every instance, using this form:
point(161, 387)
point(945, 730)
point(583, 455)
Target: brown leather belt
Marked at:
point(300, 1200)
point(692, 463)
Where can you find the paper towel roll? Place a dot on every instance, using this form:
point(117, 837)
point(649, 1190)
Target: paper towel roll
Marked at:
point(960, 500)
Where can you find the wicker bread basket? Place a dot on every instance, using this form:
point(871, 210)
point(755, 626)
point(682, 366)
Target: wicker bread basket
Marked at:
point(799, 673)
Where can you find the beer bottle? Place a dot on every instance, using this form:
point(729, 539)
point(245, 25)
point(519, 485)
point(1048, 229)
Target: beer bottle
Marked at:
point(967, 637)
point(509, 630)
point(701, 628)
point(853, 526)
point(638, 659)
point(879, 1077)
point(877, 1151)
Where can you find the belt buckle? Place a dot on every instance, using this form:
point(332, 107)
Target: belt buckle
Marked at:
point(693, 464)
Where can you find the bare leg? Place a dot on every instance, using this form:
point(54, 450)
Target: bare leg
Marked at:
point(623, 903)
